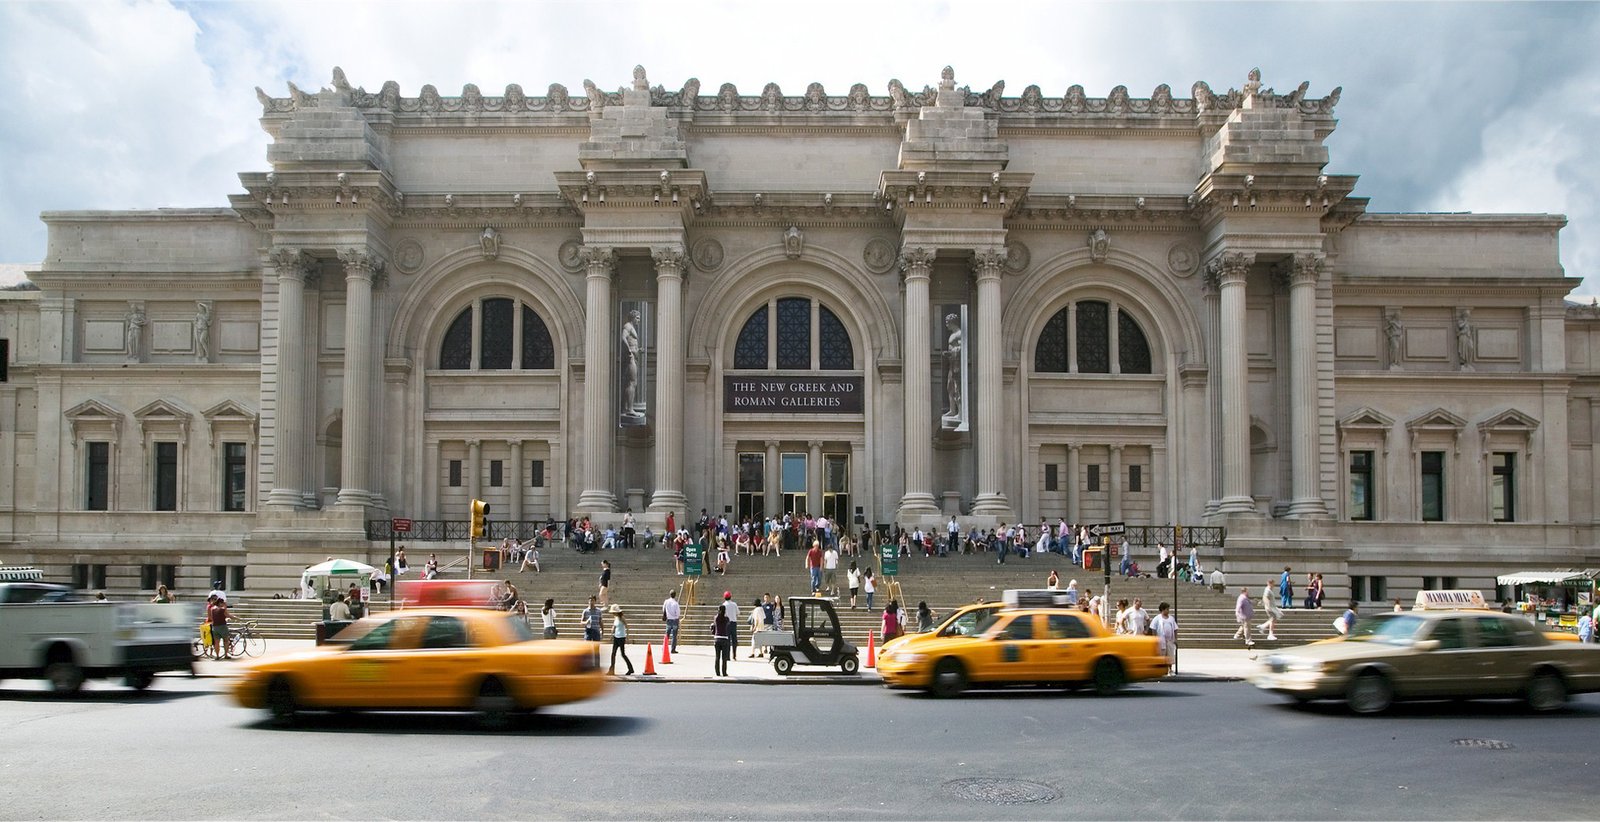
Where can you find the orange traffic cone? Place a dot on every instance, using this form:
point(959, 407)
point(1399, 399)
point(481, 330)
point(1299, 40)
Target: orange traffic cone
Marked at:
point(666, 650)
point(872, 654)
point(649, 661)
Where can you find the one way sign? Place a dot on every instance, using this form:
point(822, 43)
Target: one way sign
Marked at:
point(1108, 529)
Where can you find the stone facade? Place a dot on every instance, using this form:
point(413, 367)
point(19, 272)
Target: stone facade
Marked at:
point(900, 307)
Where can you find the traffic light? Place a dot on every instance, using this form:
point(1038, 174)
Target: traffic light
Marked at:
point(480, 515)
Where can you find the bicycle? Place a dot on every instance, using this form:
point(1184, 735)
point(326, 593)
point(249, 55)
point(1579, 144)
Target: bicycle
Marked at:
point(242, 641)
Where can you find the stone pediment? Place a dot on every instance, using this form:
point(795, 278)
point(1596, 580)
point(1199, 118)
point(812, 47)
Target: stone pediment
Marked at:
point(164, 412)
point(1365, 418)
point(1437, 419)
point(94, 414)
point(1509, 420)
point(227, 413)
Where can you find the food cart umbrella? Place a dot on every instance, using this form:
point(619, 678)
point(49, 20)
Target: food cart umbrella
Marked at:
point(339, 567)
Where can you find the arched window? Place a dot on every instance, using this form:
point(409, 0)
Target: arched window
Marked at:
point(498, 327)
point(807, 336)
point(1087, 323)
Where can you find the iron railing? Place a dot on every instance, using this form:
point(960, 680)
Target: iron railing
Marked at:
point(1199, 536)
point(443, 530)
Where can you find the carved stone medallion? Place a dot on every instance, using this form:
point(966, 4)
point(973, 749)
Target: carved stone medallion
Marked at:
point(568, 254)
point(408, 256)
point(878, 256)
point(1183, 259)
point(1017, 257)
point(708, 254)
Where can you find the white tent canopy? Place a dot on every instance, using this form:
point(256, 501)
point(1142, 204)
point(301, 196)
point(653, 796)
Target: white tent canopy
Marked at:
point(1544, 577)
point(16, 574)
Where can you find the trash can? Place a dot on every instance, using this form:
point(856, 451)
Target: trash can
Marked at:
point(491, 559)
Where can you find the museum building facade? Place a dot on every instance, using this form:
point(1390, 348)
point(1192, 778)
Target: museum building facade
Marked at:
point(881, 308)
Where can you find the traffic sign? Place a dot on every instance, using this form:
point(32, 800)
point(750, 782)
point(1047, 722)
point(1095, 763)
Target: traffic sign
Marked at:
point(400, 526)
point(1108, 529)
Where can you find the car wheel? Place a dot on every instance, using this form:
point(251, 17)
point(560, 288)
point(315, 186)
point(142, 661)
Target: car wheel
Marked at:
point(1370, 693)
point(65, 677)
point(949, 678)
point(850, 665)
point(281, 702)
point(141, 680)
point(1108, 676)
point(1546, 691)
point(493, 704)
point(782, 664)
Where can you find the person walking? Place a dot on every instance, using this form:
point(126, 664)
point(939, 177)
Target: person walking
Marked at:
point(619, 640)
point(1347, 621)
point(853, 577)
point(672, 614)
point(1243, 612)
point(605, 582)
point(814, 567)
point(924, 617)
point(720, 640)
point(591, 618)
point(1285, 590)
point(830, 572)
point(891, 621)
point(548, 614)
point(1165, 628)
point(760, 620)
point(731, 608)
point(1272, 610)
point(869, 587)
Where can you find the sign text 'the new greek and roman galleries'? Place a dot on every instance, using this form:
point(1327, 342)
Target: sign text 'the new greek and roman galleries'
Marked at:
point(792, 395)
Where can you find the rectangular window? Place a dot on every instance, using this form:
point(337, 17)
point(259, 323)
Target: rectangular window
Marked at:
point(1379, 588)
point(1094, 479)
point(752, 484)
point(219, 576)
point(496, 473)
point(235, 578)
point(5, 359)
point(836, 487)
point(1432, 486)
point(1360, 485)
point(147, 577)
point(166, 476)
point(1135, 479)
point(1503, 487)
point(536, 472)
point(1050, 477)
point(234, 476)
point(1358, 588)
point(152, 575)
point(1449, 583)
point(88, 575)
point(792, 477)
point(1430, 583)
point(98, 473)
point(455, 473)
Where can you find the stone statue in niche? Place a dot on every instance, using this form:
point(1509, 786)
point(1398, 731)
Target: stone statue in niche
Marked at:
point(489, 243)
point(1099, 245)
point(202, 331)
point(794, 242)
point(1466, 340)
point(135, 332)
point(1394, 331)
point(952, 418)
point(631, 352)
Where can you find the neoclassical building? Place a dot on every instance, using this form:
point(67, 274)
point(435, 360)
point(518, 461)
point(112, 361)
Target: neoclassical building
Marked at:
point(885, 308)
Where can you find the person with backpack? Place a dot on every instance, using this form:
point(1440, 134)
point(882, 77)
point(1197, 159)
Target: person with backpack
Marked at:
point(721, 639)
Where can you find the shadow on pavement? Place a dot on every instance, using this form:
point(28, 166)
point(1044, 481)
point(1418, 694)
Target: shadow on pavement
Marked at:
point(1054, 693)
point(565, 725)
point(1442, 709)
point(125, 696)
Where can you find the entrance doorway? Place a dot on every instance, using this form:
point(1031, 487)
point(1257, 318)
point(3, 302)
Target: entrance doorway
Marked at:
point(752, 485)
point(792, 482)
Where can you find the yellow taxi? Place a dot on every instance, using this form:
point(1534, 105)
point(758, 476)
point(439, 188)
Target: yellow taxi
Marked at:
point(960, 622)
point(1025, 646)
point(467, 659)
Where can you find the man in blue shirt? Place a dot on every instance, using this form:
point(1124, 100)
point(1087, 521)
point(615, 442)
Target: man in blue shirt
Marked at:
point(1285, 589)
point(1348, 618)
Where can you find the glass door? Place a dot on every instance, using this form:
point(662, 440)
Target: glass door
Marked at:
point(836, 489)
point(793, 481)
point(752, 485)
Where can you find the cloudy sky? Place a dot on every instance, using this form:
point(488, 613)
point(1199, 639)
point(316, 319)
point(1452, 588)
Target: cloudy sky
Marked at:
point(1446, 107)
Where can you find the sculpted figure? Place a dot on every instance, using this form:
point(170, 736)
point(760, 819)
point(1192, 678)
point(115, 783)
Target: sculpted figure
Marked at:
point(897, 92)
point(952, 372)
point(489, 242)
point(135, 332)
point(202, 331)
point(630, 377)
point(597, 100)
point(1466, 343)
point(1394, 331)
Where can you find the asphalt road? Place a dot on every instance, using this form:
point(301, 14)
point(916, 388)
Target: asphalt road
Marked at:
point(672, 751)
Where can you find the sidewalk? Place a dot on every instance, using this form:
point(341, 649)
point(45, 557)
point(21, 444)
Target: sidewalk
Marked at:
point(694, 664)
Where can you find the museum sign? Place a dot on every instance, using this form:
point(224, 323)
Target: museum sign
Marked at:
point(792, 395)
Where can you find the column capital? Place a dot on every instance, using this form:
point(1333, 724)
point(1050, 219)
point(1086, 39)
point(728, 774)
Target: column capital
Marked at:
point(814, 444)
point(359, 263)
point(291, 263)
point(1230, 267)
point(474, 443)
point(988, 263)
point(670, 260)
point(1303, 268)
point(598, 260)
point(917, 261)
point(1073, 448)
point(1116, 447)
point(771, 444)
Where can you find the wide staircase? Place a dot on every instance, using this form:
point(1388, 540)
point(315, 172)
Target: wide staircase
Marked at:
point(641, 579)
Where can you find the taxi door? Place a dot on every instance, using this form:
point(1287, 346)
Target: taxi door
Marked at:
point(1070, 648)
point(1452, 668)
point(368, 673)
point(433, 673)
point(1015, 651)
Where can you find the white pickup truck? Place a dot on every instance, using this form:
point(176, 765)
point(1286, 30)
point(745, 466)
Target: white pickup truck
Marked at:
point(51, 632)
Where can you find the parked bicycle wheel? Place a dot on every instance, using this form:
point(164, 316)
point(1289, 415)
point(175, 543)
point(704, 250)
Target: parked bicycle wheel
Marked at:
point(254, 644)
point(235, 645)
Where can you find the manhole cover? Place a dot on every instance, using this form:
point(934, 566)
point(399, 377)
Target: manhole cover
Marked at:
point(1489, 744)
point(1001, 791)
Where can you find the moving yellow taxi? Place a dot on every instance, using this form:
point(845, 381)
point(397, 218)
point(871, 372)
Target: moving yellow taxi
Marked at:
point(960, 622)
point(1025, 647)
point(479, 660)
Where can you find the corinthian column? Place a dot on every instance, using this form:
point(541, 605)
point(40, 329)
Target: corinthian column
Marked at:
point(987, 265)
point(289, 438)
point(670, 266)
point(1303, 274)
point(359, 270)
point(599, 411)
point(1230, 269)
point(917, 265)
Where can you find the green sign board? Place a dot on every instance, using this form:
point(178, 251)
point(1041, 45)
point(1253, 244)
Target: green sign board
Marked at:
point(693, 559)
point(889, 559)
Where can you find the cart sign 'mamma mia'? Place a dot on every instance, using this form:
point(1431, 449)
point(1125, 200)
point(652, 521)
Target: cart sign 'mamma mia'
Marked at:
point(792, 395)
